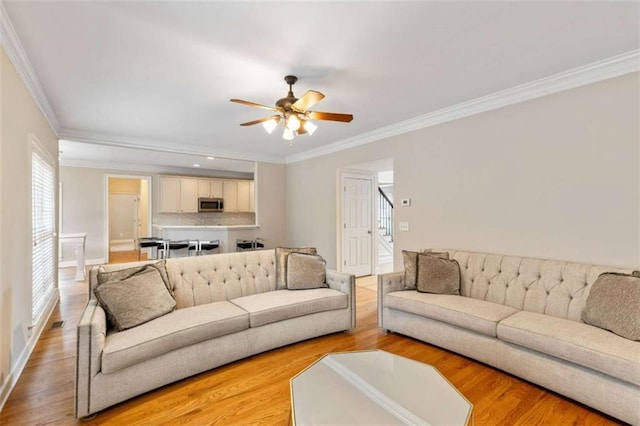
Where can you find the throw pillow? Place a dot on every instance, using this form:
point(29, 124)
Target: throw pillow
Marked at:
point(305, 271)
point(437, 275)
point(613, 304)
point(122, 274)
point(136, 299)
point(281, 263)
point(410, 259)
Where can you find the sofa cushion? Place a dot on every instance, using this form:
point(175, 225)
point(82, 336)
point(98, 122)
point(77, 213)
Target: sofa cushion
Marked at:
point(614, 304)
point(305, 271)
point(472, 314)
point(436, 275)
point(281, 263)
point(122, 274)
point(178, 329)
point(135, 300)
point(279, 305)
point(576, 342)
point(410, 260)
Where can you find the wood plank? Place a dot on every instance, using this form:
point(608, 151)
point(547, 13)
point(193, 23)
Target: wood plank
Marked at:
point(256, 390)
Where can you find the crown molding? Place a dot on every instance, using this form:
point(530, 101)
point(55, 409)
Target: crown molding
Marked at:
point(18, 57)
point(151, 145)
point(146, 168)
point(602, 70)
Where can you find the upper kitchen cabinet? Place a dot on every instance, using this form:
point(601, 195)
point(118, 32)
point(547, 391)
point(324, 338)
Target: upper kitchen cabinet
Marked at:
point(238, 196)
point(217, 188)
point(178, 195)
point(210, 188)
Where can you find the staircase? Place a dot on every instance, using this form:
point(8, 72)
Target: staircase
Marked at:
point(385, 228)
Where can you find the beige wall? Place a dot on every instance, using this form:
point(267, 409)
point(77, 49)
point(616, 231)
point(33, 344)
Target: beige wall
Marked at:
point(554, 177)
point(84, 208)
point(19, 118)
point(271, 180)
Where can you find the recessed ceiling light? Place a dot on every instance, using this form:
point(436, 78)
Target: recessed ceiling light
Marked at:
point(211, 158)
point(196, 165)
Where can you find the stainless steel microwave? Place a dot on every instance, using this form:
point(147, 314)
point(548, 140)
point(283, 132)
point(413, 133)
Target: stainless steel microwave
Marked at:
point(210, 205)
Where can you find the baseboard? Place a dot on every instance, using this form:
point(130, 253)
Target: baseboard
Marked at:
point(16, 371)
point(72, 263)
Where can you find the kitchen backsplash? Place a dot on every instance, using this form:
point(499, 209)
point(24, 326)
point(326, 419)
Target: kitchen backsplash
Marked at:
point(225, 219)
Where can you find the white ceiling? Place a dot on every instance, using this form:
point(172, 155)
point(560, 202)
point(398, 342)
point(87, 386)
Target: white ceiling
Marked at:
point(160, 74)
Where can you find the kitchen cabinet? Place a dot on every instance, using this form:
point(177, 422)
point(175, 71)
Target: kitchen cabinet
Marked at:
point(244, 196)
point(217, 190)
point(169, 195)
point(188, 195)
point(238, 196)
point(204, 188)
point(252, 206)
point(178, 195)
point(230, 195)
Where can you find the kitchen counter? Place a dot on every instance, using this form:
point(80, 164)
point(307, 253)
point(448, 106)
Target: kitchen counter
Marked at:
point(226, 234)
point(220, 227)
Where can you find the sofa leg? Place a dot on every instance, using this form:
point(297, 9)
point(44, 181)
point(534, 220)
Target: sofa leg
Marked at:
point(89, 417)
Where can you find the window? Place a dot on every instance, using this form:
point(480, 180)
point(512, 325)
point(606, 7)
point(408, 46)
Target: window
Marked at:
point(43, 230)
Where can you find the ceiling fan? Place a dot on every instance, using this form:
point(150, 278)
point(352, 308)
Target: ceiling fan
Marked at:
point(294, 112)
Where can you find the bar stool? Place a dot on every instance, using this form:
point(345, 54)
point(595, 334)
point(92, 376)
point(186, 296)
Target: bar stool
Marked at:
point(149, 242)
point(202, 246)
point(242, 244)
point(170, 246)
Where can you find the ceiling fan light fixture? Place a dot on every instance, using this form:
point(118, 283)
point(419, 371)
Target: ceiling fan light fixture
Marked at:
point(293, 123)
point(309, 127)
point(270, 125)
point(288, 134)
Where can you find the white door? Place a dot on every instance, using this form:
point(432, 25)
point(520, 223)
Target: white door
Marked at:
point(123, 217)
point(357, 226)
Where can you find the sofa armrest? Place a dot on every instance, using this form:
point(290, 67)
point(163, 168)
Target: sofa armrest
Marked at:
point(345, 283)
point(91, 335)
point(393, 281)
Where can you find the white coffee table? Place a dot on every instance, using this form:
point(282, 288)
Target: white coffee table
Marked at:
point(375, 387)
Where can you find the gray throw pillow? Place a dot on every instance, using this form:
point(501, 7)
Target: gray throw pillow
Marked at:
point(305, 271)
point(122, 274)
point(281, 263)
point(410, 259)
point(614, 304)
point(136, 299)
point(437, 275)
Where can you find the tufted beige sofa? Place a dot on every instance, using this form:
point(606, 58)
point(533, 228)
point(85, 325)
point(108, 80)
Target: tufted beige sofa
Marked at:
point(228, 308)
point(523, 316)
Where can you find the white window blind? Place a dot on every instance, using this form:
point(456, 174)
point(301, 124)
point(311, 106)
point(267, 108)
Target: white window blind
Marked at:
point(43, 226)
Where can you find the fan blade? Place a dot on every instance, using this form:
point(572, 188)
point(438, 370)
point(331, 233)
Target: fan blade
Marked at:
point(252, 104)
point(308, 100)
point(330, 116)
point(262, 120)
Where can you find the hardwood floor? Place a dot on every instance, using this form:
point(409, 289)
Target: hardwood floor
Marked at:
point(256, 390)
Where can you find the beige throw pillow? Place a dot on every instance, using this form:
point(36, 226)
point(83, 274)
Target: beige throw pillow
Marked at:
point(614, 304)
point(122, 274)
point(305, 271)
point(136, 299)
point(410, 259)
point(437, 275)
point(281, 263)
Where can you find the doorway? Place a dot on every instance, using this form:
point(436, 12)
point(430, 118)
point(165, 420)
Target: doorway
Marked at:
point(123, 221)
point(374, 253)
point(356, 222)
point(128, 213)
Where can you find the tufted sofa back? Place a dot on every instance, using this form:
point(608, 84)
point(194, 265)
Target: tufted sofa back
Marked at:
point(213, 278)
point(550, 287)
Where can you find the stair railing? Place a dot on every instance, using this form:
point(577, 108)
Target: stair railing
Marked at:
point(385, 214)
